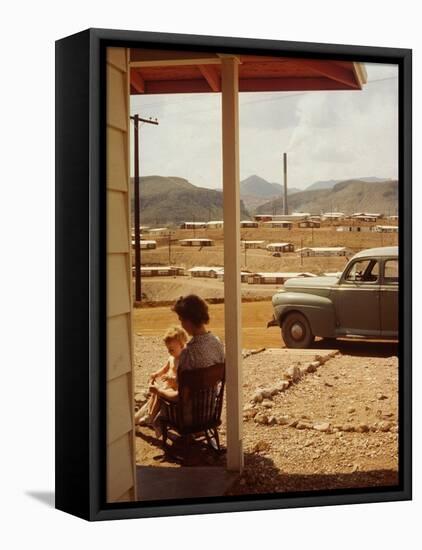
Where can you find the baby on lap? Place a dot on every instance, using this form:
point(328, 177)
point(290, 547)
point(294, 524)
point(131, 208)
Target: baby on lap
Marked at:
point(163, 382)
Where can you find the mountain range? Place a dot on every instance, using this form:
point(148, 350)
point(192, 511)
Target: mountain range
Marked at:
point(167, 200)
point(255, 191)
point(355, 195)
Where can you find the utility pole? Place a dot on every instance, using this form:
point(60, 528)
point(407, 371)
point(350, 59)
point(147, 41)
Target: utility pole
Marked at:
point(137, 119)
point(301, 252)
point(169, 243)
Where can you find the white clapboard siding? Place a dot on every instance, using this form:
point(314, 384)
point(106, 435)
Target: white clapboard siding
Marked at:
point(120, 478)
point(120, 422)
point(118, 232)
point(117, 169)
point(118, 346)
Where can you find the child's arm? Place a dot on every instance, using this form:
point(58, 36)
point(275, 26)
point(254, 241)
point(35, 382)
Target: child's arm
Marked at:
point(163, 369)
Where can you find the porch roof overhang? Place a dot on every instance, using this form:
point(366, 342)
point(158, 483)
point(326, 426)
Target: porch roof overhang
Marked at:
point(170, 72)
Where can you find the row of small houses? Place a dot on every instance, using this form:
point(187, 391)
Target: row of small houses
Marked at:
point(273, 247)
point(280, 222)
point(244, 224)
point(306, 216)
point(218, 273)
point(366, 229)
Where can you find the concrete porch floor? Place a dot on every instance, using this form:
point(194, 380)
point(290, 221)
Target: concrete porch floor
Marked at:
point(162, 483)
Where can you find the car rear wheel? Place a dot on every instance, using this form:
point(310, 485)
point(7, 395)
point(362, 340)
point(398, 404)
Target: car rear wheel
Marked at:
point(296, 331)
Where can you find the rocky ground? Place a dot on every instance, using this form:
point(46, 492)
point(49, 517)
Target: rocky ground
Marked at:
point(313, 419)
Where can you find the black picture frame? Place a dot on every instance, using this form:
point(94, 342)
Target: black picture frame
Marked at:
point(81, 273)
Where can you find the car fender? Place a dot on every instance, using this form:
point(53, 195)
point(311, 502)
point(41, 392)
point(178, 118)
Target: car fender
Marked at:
point(319, 310)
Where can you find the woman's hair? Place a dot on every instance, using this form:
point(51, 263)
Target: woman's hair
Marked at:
point(192, 308)
point(176, 333)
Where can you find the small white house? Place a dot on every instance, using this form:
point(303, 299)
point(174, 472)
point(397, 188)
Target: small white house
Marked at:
point(196, 242)
point(253, 244)
point(205, 271)
point(243, 275)
point(193, 225)
point(215, 224)
point(160, 271)
point(280, 247)
point(278, 224)
point(309, 224)
point(386, 228)
point(157, 231)
point(333, 216)
point(354, 228)
point(248, 223)
point(142, 229)
point(366, 216)
point(324, 251)
point(146, 244)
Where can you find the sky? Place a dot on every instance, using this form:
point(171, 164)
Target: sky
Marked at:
point(327, 135)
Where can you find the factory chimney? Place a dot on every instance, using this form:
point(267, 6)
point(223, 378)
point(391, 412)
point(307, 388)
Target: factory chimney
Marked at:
point(286, 209)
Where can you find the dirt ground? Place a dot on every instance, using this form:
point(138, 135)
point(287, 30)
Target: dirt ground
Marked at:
point(261, 259)
point(255, 315)
point(334, 427)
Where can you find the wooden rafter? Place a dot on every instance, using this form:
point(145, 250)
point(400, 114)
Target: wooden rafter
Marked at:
point(330, 70)
point(137, 81)
point(211, 76)
point(176, 62)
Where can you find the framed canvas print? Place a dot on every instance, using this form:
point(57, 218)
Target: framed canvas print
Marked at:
point(233, 277)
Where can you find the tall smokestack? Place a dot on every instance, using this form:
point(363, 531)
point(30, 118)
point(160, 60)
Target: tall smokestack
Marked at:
point(286, 209)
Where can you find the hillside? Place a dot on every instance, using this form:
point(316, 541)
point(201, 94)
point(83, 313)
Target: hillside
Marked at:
point(346, 196)
point(329, 184)
point(167, 200)
point(255, 191)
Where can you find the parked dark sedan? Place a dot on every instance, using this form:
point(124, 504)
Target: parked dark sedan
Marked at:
point(361, 302)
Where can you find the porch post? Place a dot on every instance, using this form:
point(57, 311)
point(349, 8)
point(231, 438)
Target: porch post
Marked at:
point(232, 294)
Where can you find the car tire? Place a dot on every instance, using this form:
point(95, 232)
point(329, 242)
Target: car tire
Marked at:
point(296, 331)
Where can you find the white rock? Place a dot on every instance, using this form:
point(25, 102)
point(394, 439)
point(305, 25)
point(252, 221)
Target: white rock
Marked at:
point(322, 426)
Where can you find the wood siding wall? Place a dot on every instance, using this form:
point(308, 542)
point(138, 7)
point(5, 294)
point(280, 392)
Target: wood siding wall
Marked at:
point(120, 421)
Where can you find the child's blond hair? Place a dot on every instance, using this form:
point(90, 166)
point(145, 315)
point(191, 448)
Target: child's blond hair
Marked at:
point(176, 333)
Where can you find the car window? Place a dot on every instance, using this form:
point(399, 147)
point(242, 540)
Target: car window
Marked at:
point(391, 272)
point(363, 271)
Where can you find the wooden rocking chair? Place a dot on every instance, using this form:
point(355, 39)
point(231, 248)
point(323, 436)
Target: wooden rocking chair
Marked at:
point(198, 407)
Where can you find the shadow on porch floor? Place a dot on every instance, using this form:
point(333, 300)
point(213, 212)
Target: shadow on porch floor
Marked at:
point(190, 470)
point(160, 483)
